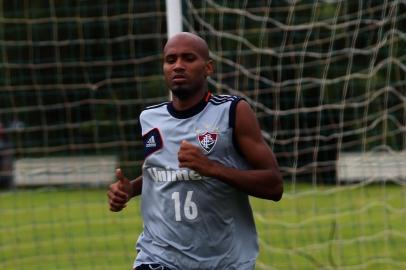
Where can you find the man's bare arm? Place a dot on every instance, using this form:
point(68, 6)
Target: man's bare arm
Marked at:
point(122, 191)
point(263, 181)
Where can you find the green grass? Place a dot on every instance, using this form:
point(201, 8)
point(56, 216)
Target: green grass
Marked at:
point(352, 227)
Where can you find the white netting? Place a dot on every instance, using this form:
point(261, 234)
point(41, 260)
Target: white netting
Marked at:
point(326, 79)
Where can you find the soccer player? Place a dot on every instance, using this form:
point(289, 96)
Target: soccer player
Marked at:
point(204, 154)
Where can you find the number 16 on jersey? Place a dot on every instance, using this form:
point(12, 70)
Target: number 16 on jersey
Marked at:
point(189, 206)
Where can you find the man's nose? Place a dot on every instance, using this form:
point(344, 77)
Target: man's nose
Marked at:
point(179, 65)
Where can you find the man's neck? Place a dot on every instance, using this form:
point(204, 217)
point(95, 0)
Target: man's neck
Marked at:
point(184, 104)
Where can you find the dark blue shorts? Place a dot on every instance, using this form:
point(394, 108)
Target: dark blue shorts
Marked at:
point(153, 266)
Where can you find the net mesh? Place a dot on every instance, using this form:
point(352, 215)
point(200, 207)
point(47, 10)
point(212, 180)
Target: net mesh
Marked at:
point(326, 79)
point(324, 76)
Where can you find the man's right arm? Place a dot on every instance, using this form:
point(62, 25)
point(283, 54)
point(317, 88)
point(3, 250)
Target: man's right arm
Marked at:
point(136, 186)
point(122, 191)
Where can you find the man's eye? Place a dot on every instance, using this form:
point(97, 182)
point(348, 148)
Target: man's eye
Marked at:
point(190, 58)
point(170, 60)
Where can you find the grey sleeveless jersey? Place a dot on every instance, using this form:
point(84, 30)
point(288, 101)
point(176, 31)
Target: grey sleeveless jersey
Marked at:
point(191, 221)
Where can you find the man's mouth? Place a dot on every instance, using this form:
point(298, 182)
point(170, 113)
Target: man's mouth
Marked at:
point(178, 78)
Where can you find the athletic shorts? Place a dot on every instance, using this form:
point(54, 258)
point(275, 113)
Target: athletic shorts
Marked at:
point(151, 267)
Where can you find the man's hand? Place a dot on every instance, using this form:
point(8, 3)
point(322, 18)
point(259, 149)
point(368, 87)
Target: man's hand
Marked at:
point(119, 192)
point(191, 156)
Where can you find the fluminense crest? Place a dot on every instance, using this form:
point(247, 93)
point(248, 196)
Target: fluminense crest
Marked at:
point(207, 140)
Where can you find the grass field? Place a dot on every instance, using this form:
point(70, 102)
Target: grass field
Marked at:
point(352, 227)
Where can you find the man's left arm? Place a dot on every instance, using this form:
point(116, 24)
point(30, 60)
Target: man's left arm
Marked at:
point(263, 181)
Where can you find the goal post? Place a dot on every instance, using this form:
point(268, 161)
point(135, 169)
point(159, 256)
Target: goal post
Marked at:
point(173, 16)
point(173, 20)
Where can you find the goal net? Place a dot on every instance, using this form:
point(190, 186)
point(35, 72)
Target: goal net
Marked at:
point(326, 79)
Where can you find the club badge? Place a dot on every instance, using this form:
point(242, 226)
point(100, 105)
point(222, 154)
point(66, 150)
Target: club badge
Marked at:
point(207, 140)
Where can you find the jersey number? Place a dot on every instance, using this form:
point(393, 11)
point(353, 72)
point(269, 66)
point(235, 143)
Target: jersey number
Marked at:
point(189, 207)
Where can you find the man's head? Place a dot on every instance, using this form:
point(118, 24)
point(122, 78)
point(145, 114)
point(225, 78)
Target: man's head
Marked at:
point(186, 65)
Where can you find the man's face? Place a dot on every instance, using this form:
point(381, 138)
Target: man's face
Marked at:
point(185, 68)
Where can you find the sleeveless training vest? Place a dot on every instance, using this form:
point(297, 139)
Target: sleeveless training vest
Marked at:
point(191, 221)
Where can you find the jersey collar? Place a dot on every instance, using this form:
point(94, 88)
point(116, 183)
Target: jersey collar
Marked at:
point(191, 111)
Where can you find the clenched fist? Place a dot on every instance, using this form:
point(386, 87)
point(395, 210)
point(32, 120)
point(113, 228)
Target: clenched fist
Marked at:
point(191, 156)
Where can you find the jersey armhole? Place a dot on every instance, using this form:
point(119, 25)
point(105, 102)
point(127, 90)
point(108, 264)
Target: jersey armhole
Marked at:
point(232, 119)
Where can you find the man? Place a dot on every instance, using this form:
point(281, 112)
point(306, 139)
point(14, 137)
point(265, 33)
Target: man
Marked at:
point(204, 154)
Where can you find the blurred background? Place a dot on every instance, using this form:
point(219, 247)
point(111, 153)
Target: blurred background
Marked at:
point(325, 78)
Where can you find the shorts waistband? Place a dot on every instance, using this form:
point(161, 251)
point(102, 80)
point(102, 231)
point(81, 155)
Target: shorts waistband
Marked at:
point(154, 266)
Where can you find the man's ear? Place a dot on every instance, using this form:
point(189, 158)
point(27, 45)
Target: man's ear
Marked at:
point(209, 67)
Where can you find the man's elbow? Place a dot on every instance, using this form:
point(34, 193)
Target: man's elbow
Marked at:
point(276, 188)
point(277, 197)
point(272, 189)
point(276, 193)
